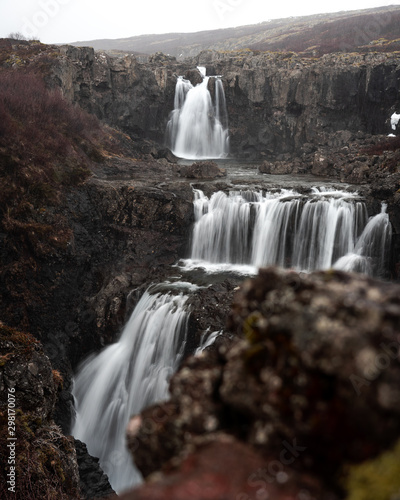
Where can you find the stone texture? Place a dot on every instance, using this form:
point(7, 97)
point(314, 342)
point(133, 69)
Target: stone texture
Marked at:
point(44, 459)
point(223, 469)
point(202, 170)
point(310, 379)
point(92, 480)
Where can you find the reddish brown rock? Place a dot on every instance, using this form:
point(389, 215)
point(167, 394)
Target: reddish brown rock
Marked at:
point(226, 469)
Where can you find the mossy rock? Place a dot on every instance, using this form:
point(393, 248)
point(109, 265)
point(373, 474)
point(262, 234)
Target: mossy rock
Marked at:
point(377, 479)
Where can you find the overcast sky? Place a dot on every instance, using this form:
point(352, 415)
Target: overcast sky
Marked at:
point(61, 21)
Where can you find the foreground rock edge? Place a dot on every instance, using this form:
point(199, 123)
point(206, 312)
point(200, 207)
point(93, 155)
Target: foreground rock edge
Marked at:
point(310, 382)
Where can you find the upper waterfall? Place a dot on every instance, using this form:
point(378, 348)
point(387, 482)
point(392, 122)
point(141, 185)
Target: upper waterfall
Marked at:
point(198, 126)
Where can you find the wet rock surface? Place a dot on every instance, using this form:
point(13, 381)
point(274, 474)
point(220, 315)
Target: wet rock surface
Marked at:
point(310, 380)
point(202, 170)
point(93, 482)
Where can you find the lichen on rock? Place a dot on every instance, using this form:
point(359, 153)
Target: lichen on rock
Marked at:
point(310, 380)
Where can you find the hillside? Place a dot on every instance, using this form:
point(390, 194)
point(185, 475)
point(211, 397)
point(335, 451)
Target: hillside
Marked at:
point(361, 30)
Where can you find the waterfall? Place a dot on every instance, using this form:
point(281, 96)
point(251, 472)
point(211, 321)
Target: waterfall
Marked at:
point(197, 128)
point(285, 228)
point(207, 339)
point(371, 251)
point(127, 376)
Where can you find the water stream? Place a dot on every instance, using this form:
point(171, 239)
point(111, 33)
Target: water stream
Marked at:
point(127, 376)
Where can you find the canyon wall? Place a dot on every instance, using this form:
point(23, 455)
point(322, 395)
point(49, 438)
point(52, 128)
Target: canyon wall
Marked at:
point(277, 102)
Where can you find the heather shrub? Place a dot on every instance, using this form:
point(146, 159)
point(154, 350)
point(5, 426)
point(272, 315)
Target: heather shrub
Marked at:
point(43, 144)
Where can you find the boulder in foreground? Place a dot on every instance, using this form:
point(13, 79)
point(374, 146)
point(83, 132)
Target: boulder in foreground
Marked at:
point(309, 384)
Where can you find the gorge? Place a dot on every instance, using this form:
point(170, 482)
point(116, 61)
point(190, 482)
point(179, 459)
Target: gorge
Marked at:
point(235, 233)
point(144, 219)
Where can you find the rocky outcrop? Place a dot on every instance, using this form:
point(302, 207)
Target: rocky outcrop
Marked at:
point(202, 170)
point(39, 461)
point(93, 482)
point(126, 226)
point(132, 219)
point(278, 102)
point(309, 383)
point(226, 468)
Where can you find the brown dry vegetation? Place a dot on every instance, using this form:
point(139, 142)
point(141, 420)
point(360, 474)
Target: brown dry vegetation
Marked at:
point(46, 146)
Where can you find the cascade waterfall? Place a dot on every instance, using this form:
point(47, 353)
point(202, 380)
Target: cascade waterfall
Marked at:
point(197, 127)
point(368, 256)
point(249, 228)
point(286, 229)
point(125, 377)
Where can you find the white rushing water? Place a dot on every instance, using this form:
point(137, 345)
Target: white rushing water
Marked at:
point(368, 255)
point(247, 229)
point(394, 120)
point(198, 127)
point(208, 338)
point(124, 378)
point(239, 231)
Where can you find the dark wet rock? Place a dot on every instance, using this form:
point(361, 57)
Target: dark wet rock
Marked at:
point(194, 76)
point(209, 310)
point(276, 168)
point(44, 459)
point(202, 170)
point(276, 102)
point(92, 480)
point(27, 371)
point(311, 377)
point(167, 154)
point(128, 223)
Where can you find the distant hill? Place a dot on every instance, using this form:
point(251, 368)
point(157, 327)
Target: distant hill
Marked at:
point(362, 30)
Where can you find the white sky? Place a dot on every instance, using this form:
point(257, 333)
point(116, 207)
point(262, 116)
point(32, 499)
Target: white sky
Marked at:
point(62, 21)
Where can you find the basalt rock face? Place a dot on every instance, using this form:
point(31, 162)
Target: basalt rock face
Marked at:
point(278, 102)
point(309, 383)
point(93, 482)
point(134, 97)
point(127, 227)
